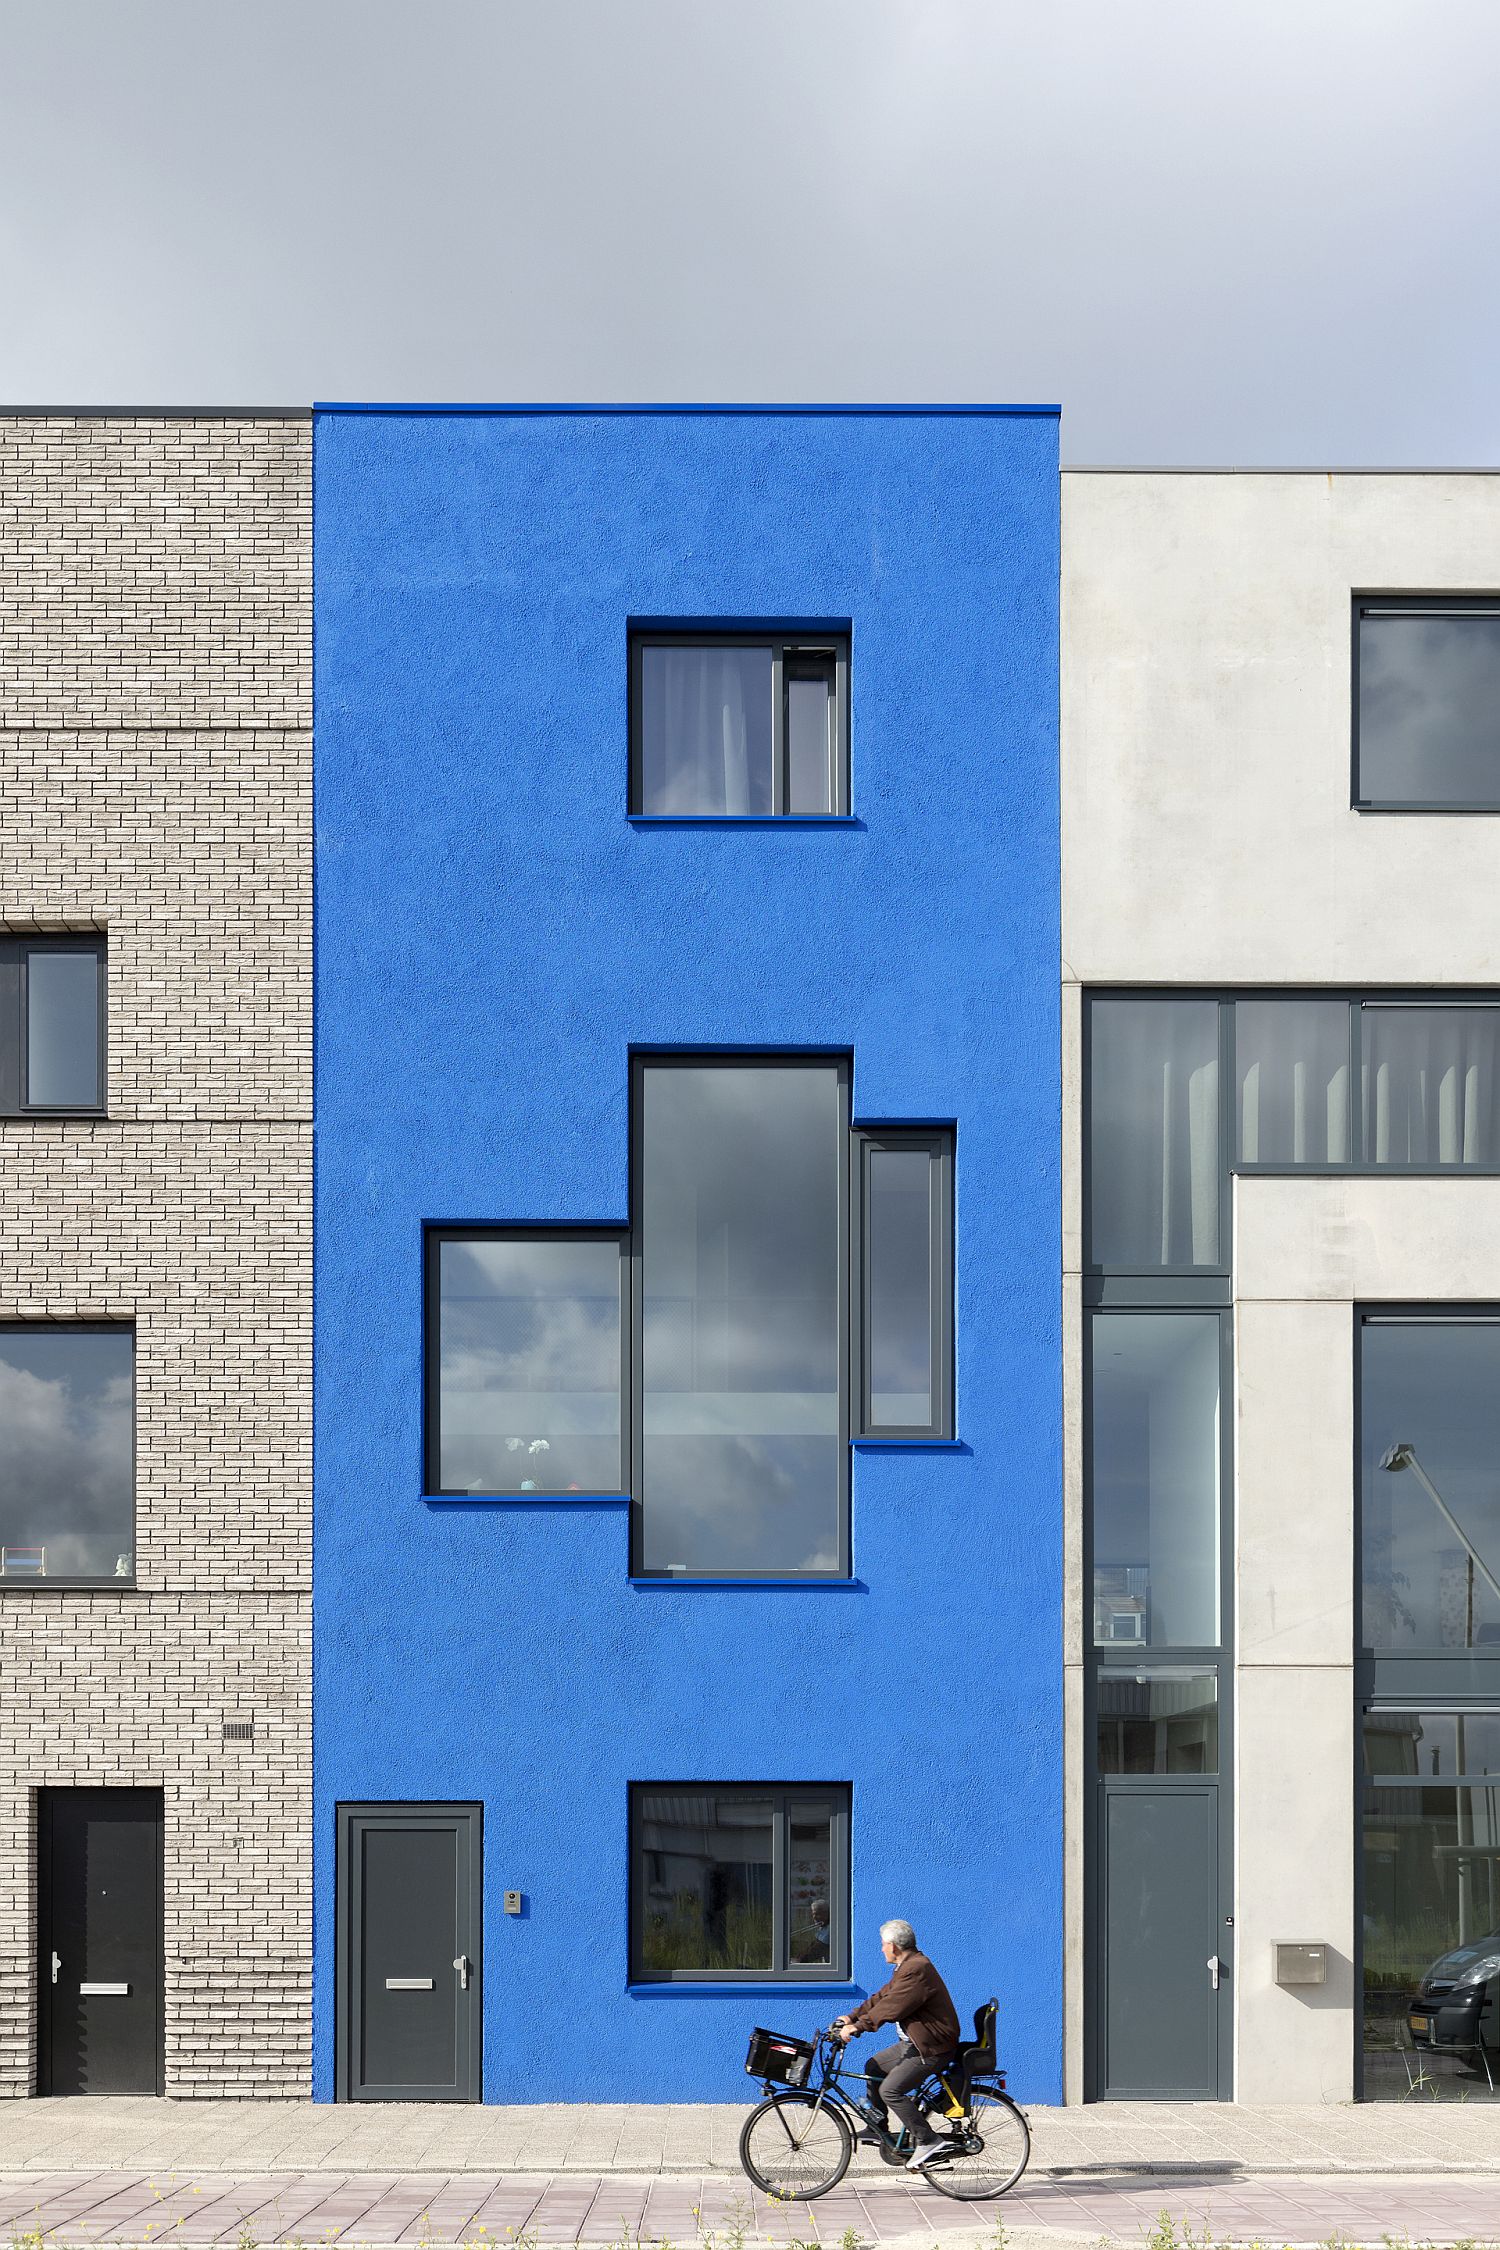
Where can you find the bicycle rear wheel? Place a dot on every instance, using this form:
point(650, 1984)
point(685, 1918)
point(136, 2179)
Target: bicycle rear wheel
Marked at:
point(795, 2145)
point(991, 2147)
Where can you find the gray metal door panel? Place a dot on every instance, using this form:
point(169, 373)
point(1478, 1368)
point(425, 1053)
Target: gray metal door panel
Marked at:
point(410, 1915)
point(1159, 2013)
point(99, 1926)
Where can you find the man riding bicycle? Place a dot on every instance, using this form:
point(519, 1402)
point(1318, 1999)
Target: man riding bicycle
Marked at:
point(917, 2002)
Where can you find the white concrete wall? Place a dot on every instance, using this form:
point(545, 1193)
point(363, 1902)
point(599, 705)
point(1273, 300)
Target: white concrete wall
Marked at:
point(1208, 840)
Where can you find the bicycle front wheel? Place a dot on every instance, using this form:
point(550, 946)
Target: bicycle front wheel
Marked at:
point(991, 2147)
point(795, 2145)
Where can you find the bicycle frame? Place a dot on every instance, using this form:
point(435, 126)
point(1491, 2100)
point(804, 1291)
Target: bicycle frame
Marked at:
point(829, 2088)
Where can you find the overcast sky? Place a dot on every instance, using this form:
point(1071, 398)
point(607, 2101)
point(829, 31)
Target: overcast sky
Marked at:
point(1239, 231)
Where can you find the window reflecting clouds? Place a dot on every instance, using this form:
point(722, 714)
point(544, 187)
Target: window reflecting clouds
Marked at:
point(1429, 708)
point(528, 1386)
point(67, 1478)
point(743, 1435)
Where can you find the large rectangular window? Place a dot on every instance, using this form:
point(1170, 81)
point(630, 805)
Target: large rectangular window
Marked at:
point(1154, 1471)
point(904, 1230)
point(739, 1882)
point(1427, 704)
point(742, 1424)
point(1429, 1393)
point(67, 1454)
point(525, 1341)
point(51, 1026)
point(1156, 1157)
point(1430, 1848)
point(747, 726)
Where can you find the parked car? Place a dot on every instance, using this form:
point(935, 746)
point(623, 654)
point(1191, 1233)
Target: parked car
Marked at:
point(1457, 2003)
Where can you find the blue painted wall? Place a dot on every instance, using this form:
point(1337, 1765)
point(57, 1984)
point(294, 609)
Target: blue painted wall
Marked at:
point(493, 936)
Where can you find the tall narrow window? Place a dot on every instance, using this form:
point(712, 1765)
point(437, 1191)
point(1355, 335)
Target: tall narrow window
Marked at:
point(1427, 705)
point(1155, 1153)
point(524, 1339)
point(905, 1238)
point(749, 726)
point(742, 1883)
point(1154, 1478)
point(742, 1422)
point(67, 1453)
point(51, 1026)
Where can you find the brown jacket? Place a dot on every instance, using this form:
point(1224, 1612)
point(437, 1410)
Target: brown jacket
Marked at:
point(918, 2000)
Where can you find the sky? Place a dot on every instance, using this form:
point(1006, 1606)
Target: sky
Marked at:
point(1238, 232)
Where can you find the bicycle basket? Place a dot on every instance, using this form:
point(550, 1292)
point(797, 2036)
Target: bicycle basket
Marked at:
point(776, 2055)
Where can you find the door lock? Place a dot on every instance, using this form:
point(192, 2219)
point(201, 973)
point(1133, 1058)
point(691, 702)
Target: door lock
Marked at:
point(1214, 1966)
point(462, 1964)
point(56, 1965)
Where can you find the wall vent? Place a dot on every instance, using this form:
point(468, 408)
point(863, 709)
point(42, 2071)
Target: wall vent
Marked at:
point(239, 1730)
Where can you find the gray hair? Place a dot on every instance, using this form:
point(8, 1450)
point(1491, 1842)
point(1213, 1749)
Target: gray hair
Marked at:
point(899, 1934)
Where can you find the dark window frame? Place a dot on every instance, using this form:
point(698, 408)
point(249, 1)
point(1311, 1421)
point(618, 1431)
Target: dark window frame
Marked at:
point(785, 642)
point(16, 948)
point(691, 1059)
point(939, 1143)
point(784, 1796)
point(48, 1585)
point(433, 1238)
point(1407, 605)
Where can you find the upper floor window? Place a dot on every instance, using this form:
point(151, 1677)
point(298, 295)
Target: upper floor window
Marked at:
point(1427, 704)
point(51, 1026)
point(67, 1453)
point(903, 1233)
point(744, 726)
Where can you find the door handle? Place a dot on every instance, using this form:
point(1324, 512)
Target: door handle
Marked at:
point(1214, 1966)
point(56, 1965)
point(462, 1964)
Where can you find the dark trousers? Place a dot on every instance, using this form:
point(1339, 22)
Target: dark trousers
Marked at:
point(892, 2077)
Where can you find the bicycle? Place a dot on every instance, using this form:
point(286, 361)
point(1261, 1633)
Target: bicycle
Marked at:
point(797, 2142)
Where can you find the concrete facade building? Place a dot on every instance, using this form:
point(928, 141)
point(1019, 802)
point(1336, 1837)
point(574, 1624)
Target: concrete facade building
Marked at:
point(1280, 972)
point(155, 1253)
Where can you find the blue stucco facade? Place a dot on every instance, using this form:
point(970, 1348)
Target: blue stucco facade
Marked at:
point(494, 936)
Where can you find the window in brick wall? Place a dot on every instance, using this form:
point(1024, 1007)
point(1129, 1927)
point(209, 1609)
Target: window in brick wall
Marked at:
point(51, 1026)
point(67, 1454)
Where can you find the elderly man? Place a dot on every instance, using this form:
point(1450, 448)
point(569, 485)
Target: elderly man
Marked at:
point(917, 2002)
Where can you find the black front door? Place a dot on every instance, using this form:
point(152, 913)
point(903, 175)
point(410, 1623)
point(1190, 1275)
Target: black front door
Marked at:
point(99, 1926)
point(409, 1953)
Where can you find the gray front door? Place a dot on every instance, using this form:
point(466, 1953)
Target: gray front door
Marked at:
point(410, 1915)
point(1163, 2001)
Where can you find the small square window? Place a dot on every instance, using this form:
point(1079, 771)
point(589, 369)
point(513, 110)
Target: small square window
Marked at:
point(67, 1454)
point(1427, 704)
point(742, 1883)
point(904, 1246)
point(525, 1368)
point(51, 1026)
point(743, 726)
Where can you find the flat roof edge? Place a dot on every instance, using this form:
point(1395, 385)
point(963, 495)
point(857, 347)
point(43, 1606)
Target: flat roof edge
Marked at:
point(67, 413)
point(1304, 469)
point(397, 407)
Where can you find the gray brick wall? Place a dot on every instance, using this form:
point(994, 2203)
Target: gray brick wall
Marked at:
point(155, 782)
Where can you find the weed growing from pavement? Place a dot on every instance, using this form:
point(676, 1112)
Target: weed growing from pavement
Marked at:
point(1173, 2234)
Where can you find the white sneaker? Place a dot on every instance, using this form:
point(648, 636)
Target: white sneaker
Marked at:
point(920, 2158)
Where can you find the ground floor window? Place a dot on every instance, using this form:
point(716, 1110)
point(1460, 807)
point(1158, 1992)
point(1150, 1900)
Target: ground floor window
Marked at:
point(739, 1881)
point(1431, 1936)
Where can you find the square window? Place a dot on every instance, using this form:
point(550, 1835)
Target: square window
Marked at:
point(67, 1454)
point(1427, 704)
point(738, 1882)
point(525, 1363)
point(742, 726)
point(51, 1026)
point(904, 1239)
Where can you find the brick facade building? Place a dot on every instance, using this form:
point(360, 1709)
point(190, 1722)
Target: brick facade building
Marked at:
point(155, 789)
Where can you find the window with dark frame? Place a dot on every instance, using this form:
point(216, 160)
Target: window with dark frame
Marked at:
point(525, 1363)
point(51, 1026)
point(739, 1882)
point(748, 725)
point(67, 1454)
point(1427, 703)
point(903, 1238)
